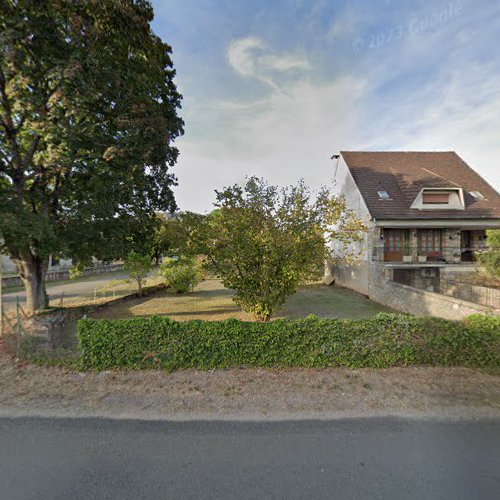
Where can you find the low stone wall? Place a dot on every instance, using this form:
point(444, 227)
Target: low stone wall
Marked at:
point(412, 300)
point(483, 295)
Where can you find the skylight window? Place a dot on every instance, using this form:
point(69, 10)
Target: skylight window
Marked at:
point(383, 195)
point(477, 195)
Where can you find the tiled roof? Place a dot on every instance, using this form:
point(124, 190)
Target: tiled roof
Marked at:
point(404, 174)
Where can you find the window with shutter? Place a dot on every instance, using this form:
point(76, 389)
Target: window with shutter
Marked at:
point(436, 198)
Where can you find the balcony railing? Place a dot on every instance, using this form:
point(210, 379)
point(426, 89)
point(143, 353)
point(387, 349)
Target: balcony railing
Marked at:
point(419, 255)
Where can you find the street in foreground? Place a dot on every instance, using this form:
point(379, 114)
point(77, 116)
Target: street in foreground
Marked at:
point(361, 458)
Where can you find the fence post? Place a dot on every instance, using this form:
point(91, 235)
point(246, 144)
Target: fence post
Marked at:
point(1, 300)
point(18, 324)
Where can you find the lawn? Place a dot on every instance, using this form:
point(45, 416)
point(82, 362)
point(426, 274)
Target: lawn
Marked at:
point(211, 301)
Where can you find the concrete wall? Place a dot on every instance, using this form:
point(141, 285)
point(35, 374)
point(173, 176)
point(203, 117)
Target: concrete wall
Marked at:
point(353, 277)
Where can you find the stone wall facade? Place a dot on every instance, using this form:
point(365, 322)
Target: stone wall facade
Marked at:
point(420, 286)
point(412, 300)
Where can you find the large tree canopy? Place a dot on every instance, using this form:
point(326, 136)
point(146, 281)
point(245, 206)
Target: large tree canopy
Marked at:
point(88, 114)
point(264, 242)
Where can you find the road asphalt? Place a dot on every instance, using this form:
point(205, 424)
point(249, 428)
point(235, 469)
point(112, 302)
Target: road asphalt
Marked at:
point(376, 458)
point(70, 290)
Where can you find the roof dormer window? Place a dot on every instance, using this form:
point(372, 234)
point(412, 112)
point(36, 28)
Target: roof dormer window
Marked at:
point(432, 198)
point(383, 195)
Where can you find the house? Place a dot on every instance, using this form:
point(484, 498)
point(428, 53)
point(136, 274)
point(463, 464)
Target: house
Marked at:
point(427, 215)
point(55, 264)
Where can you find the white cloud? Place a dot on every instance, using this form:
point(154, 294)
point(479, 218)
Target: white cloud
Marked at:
point(250, 57)
point(284, 137)
point(241, 54)
point(283, 62)
point(453, 108)
point(295, 124)
point(461, 117)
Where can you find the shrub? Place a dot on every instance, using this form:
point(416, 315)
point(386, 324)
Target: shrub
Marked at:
point(383, 341)
point(181, 275)
point(76, 271)
point(490, 260)
point(138, 267)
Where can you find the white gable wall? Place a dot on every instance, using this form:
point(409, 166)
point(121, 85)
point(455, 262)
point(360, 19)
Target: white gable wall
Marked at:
point(354, 277)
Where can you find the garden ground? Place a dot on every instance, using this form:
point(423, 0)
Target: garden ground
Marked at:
point(211, 301)
point(248, 394)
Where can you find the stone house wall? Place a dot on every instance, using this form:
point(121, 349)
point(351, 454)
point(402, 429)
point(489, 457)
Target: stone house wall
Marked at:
point(416, 301)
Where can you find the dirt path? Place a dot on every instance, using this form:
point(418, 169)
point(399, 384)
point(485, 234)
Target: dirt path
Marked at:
point(249, 394)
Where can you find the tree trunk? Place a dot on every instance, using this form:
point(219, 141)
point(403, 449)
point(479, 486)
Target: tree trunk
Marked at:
point(139, 287)
point(262, 318)
point(33, 272)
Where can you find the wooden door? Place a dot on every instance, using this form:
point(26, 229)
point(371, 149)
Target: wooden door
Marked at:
point(430, 243)
point(395, 241)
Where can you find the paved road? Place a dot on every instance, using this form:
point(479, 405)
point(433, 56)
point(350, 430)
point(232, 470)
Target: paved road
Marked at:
point(349, 459)
point(71, 290)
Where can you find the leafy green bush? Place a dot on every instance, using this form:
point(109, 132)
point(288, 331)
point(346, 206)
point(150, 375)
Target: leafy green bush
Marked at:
point(490, 259)
point(383, 341)
point(181, 275)
point(76, 271)
point(138, 267)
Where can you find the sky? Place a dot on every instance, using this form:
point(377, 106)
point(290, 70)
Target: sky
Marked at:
point(274, 88)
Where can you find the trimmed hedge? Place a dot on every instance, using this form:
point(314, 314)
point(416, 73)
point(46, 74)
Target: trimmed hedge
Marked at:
point(383, 341)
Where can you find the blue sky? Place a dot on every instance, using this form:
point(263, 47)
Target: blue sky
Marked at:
point(275, 87)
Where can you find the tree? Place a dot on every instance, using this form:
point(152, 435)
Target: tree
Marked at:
point(170, 235)
point(490, 258)
point(138, 267)
point(264, 242)
point(167, 236)
point(88, 115)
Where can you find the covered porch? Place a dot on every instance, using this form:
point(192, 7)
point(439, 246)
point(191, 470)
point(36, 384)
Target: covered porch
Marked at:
point(430, 245)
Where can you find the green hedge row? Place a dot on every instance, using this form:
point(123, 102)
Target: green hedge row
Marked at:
point(383, 341)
